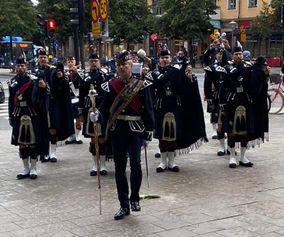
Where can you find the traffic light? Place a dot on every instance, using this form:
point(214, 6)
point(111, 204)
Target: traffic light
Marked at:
point(51, 27)
point(78, 15)
point(41, 22)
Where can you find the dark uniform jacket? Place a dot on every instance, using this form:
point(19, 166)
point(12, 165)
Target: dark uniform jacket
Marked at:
point(175, 94)
point(60, 107)
point(92, 80)
point(142, 108)
point(236, 95)
point(213, 78)
point(24, 110)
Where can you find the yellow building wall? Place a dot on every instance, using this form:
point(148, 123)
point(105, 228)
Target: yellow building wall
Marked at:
point(242, 11)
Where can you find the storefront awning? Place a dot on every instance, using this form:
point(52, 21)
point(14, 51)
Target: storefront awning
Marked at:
point(216, 24)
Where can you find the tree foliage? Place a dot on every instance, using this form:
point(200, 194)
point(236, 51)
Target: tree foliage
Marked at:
point(185, 19)
point(130, 21)
point(17, 18)
point(59, 11)
point(268, 20)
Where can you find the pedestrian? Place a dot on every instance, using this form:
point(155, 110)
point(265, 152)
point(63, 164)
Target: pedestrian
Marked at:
point(260, 79)
point(24, 118)
point(93, 80)
point(214, 75)
point(236, 101)
point(74, 83)
point(43, 73)
point(60, 109)
point(176, 95)
point(127, 106)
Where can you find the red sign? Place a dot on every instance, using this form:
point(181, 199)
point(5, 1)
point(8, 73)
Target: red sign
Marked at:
point(154, 36)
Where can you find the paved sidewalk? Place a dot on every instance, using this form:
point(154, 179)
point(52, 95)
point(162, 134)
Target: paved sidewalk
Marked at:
point(205, 199)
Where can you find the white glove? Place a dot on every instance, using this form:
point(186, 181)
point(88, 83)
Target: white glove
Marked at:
point(94, 116)
point(141, 53)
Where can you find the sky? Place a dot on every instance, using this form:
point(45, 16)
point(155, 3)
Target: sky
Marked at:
point(35, 2)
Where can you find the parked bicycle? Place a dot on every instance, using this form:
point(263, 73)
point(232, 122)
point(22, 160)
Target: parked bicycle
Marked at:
point(276, 94)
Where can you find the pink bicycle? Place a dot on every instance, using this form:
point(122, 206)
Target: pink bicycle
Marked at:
point(276, 95)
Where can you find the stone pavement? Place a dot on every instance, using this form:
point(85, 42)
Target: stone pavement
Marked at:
point(205, 199)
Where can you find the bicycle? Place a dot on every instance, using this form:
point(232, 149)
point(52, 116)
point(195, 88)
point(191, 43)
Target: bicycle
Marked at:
point(276, 95)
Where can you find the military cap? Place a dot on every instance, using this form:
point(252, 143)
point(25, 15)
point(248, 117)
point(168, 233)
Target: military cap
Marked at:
point(165, 52)
point(21, 60)
point(122, 57)
point(41, 52)
point(59, 67)
point(93, 56)
point(237, 49)
point(260, 60)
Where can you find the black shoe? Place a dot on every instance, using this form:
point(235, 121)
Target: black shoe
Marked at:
point(53, 160)
point(215, 137)
point(249, 164)
point(233, 165)
point(220, 153)
point(103, 172)
point(44, 159)
point(159, 170)
point(70, 142)
point(93, 173)
point(23, 176)
point(79, 142)
point(135, 206)
point(33, 176)
point(174, 169)
point(122, 212)
point(157, 155)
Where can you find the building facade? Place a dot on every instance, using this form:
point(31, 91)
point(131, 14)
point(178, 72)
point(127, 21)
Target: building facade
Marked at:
point(236, 17)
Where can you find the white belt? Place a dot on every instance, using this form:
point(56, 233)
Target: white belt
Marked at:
point(129, 118)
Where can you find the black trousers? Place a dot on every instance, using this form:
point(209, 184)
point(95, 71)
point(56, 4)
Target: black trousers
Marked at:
point(126, 143)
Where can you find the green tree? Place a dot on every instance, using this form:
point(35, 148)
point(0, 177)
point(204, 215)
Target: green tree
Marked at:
point(186, 19)
point(130, 21)
point(17, 18)
point(267, 22)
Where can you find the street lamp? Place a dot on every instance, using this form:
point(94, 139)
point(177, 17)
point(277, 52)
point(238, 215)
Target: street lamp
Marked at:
point(233, 25)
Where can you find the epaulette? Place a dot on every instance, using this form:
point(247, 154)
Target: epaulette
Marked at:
point(220, 69)
point(230, 62)
point(32, 76)
point(146, 84)
point(105, 86)
point(12, 82)
point(208, 68)
point(247, 64)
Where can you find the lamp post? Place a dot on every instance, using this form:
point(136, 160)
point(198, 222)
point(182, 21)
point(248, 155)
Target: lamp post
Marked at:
point(233, 25)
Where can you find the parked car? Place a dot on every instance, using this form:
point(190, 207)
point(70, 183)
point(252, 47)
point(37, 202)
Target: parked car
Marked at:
point(2, 94)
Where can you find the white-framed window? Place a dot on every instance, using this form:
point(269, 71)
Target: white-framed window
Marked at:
point(252, 3)
point(231, 4)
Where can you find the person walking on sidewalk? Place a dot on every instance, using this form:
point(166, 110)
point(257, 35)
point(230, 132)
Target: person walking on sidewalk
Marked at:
point(127, 106)
point(24, 118)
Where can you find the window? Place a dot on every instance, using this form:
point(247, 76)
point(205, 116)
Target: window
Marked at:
point(231, 4)
point(252, 3)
